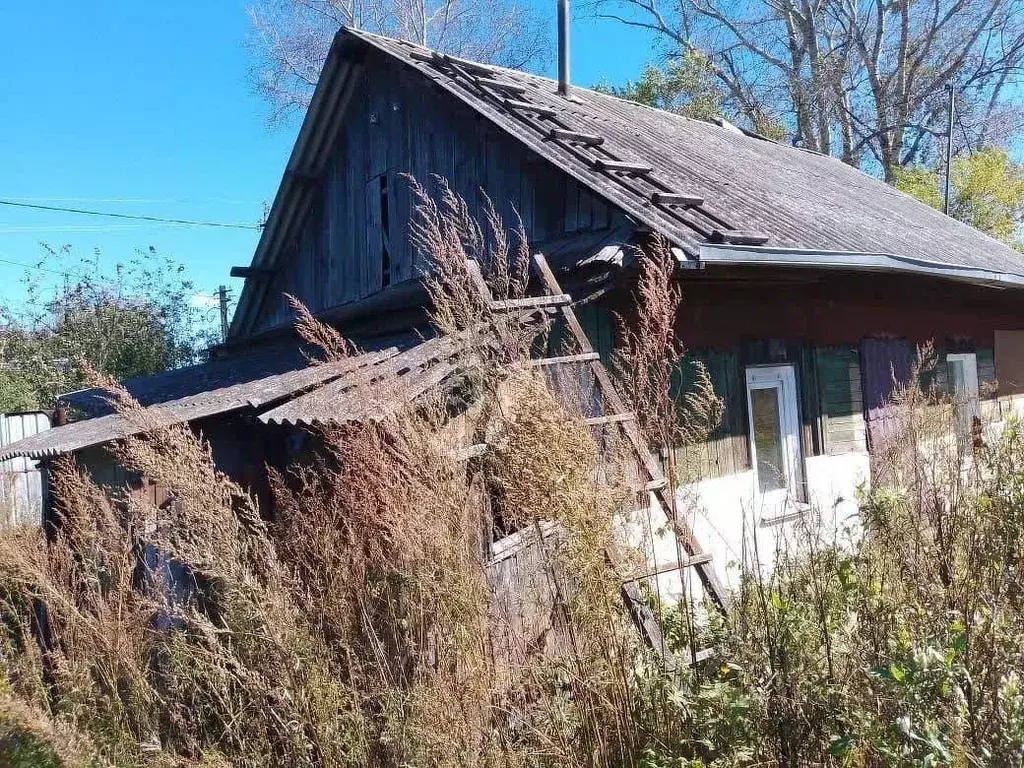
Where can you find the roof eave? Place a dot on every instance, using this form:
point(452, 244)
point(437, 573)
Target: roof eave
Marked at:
point(307, 160)
point(737, 255)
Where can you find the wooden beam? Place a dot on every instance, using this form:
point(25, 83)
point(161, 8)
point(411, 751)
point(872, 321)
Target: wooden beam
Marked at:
point(565, 359)
point(658, 483)
point(618, 166)
point(591, 140)
point(686, 562)
point(526, 106)
point(258, 273)
point(427, 57)
point(667, 198)
point(532, 302)
point(738, 237)
point(443, 59)
point(500, 85)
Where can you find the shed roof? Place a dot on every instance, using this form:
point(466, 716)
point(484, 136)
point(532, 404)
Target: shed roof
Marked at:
point(217, 400)
point(362, 387)
point(734, 183)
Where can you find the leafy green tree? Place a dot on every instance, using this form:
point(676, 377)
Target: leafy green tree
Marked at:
point(135, 320)
point(687, 86)
point(986, 191)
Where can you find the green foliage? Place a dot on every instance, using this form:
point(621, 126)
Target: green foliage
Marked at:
point(986, 191)
point(685, 86)
point(688, 86)
point(136, 320)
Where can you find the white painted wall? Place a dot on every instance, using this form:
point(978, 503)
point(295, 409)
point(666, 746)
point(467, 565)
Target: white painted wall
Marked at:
point(729, 523)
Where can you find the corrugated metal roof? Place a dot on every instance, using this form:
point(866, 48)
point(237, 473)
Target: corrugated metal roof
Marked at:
point(373, 392)
point(248, 394)
point(250, 366)
point(363, 387)
point(798, 199)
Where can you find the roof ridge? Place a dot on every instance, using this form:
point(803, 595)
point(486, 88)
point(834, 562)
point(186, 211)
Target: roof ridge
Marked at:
point(716, 120)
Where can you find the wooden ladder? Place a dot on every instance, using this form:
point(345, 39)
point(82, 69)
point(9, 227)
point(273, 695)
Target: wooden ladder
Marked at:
point(655, 481)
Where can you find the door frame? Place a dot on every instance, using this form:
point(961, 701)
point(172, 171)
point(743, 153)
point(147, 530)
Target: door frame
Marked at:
point(782, 378)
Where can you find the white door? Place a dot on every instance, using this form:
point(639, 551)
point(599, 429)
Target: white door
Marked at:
point(774, 437)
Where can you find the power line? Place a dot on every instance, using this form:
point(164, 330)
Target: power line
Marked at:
point(132, 216)
point(186, 200)
point(64, 273)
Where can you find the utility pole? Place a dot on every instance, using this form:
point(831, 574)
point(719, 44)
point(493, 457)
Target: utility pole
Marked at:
point(949, 146)
point(222, 295)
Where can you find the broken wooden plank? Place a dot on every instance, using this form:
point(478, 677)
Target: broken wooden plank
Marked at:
point(589, 139)
point(526, 106)
point(619, 166)
point(669, 198)
point(500, 85)
point(689, 659)
point(647, 622)
point(466, 65)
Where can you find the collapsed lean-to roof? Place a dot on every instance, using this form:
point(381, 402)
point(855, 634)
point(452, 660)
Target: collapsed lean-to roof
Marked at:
point(366, 386)
point(695, 182)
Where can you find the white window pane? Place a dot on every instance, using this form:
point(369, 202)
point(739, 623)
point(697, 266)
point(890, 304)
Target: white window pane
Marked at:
point(768, 446)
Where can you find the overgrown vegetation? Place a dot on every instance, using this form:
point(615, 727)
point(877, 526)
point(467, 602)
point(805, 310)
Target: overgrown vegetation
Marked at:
point(135, 319)
point(366, 624)
point(986, 191)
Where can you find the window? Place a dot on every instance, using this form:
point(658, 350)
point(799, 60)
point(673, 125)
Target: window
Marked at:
point(962, 369)
point(774, 423)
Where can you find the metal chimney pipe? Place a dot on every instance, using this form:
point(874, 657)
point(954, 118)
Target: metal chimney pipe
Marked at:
point(563, 48)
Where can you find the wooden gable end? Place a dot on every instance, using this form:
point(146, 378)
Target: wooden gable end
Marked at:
point(354, 241)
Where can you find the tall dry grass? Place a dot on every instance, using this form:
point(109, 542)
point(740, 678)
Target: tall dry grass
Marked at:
point(372, 620)
point(362, 624)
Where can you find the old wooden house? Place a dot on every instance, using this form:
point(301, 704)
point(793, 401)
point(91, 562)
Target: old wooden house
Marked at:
point(807, 283)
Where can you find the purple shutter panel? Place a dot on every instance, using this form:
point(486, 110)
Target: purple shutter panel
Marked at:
point(884, 362)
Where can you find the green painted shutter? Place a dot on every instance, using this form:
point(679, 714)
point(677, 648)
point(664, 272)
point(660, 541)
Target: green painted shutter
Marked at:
point(986, 372)
point(841, 399)
point(599, 324)
point(725, 451)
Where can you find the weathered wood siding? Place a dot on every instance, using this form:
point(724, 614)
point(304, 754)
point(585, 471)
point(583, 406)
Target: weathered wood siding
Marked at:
point(355, 240)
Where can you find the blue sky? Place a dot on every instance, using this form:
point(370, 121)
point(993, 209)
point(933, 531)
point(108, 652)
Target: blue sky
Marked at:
point(146, 107)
